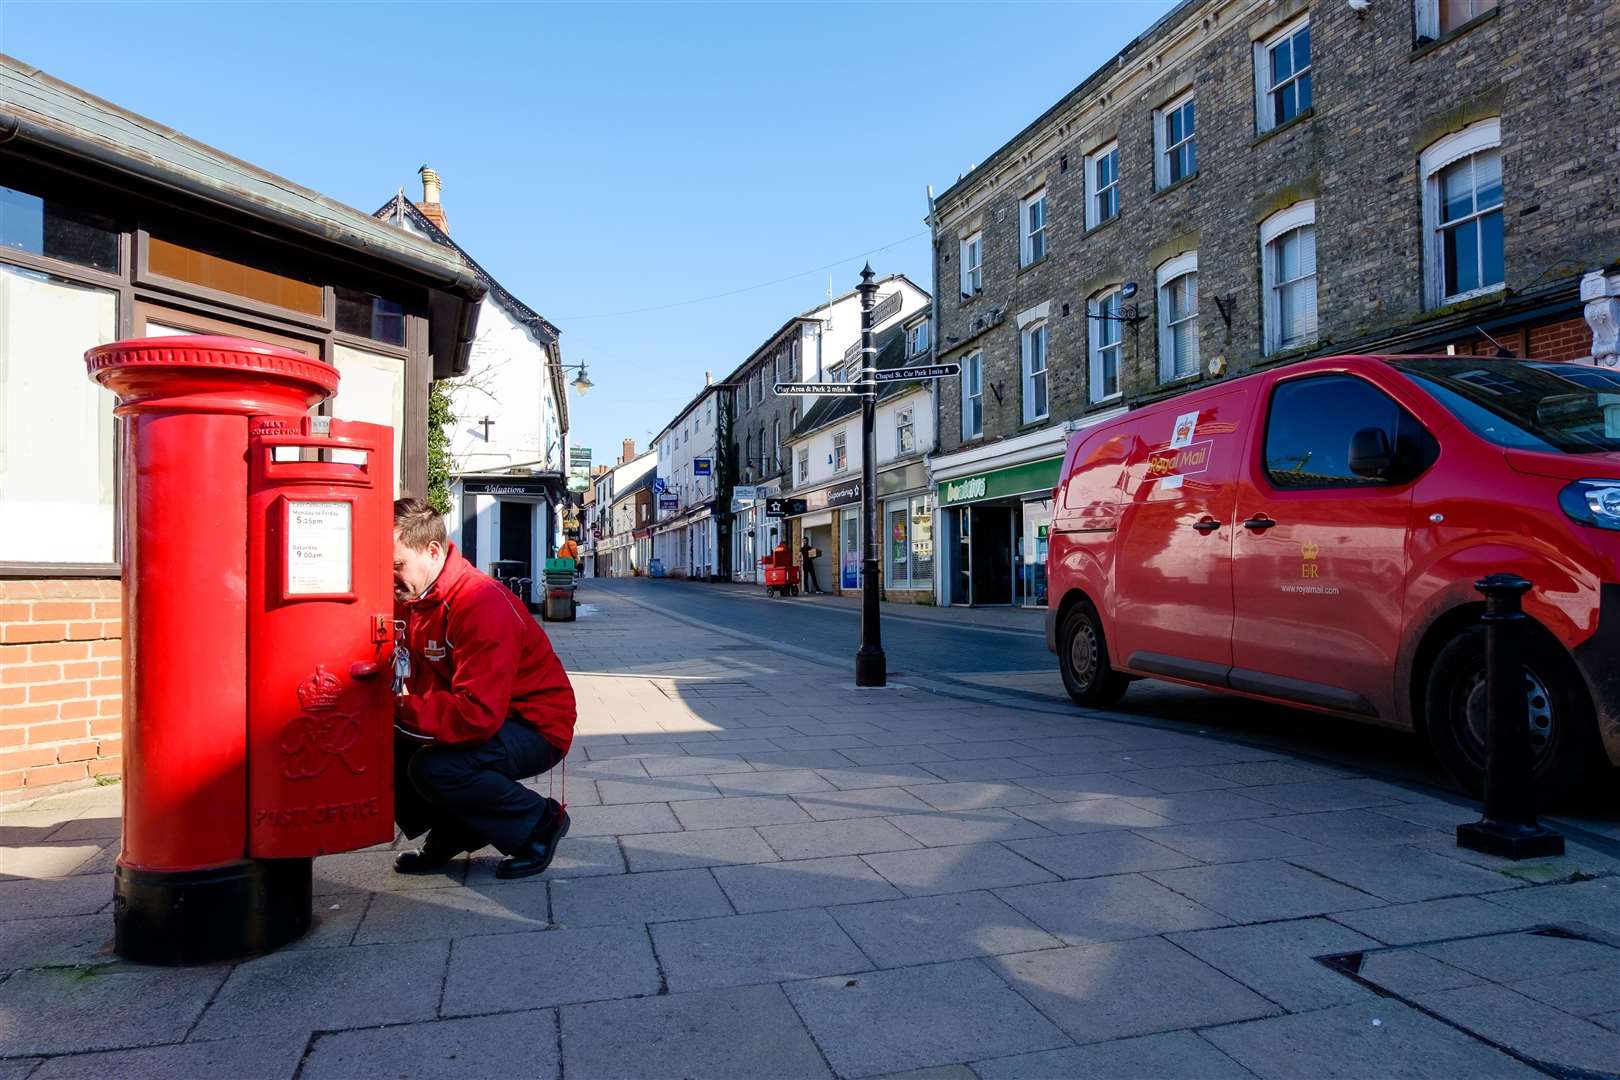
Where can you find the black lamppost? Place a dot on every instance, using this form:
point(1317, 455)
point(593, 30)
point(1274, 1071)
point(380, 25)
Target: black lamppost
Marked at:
point(871, 666)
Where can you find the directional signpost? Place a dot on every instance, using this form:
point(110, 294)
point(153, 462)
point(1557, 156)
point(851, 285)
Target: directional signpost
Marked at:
point(871, 666)
point(788, 389)
point(913, 374)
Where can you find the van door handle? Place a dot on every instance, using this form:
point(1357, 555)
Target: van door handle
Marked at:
point(1259, 523)
point(363, 669)
point(1206, 525)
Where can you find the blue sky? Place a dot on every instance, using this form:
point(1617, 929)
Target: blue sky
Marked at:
point(601, 160)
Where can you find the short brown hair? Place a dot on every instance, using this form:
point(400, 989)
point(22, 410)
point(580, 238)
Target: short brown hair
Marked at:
point(417, 524)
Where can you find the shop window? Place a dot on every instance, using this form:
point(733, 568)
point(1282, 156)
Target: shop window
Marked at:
point(178, 263)
point(1288, 274)
point(922, 541)
point(368, 316)
point(897, 545)
point(57, 230)
point(57, 471)
point(371, 388)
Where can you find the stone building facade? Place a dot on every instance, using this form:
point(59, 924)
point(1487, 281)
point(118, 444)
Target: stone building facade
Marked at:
point(1271, 148)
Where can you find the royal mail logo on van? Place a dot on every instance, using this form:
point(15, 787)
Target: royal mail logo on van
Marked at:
point(971, 488)
point(1186, 461)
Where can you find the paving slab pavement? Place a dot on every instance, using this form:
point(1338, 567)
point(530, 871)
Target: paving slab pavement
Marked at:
point(774, 874)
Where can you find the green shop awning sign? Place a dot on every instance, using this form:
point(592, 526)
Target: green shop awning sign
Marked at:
point(1002, 483)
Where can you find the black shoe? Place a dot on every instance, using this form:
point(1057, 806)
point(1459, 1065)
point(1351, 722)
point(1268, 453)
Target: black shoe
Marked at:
point(435, 854)
point(538, 852)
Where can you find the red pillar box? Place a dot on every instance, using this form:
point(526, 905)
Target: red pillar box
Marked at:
point(257, 566)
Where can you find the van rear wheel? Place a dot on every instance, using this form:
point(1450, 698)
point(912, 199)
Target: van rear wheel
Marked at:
point(1565, 754)
point(1083, 659)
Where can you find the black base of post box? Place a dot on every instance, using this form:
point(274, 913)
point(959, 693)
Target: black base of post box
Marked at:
point(202, 916)
point(1510, 841)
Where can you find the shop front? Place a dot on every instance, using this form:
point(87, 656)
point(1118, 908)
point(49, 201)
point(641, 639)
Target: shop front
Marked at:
point(906, 516)
point(995, 526)
point(754, 534)
point(831, 522)
point(506, 524)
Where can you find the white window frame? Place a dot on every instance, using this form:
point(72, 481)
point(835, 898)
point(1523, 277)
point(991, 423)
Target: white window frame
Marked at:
point(1161, 144)
point(1284, 221)
point(1028, 373)
point(1265, 92)
point(972, 366)
point(840, 454)
point(917, 339)
point(1474, 139)
point(1095, 346)
point(1094, 193)
point(1032, 245)
point(776, 444)
point(904, 428)
point(804, 464)
point(1426, 15)
point(1169, 272)
point(972, 269)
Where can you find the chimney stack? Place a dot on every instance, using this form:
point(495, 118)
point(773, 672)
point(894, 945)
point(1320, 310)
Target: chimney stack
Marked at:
point(431, 207)
point(708, 378)
point(629, 452)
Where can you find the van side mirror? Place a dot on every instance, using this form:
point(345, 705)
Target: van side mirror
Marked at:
point(1371, 456)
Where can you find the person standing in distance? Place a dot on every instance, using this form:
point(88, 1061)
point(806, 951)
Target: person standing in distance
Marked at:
point(483, 704)
point(807, 560)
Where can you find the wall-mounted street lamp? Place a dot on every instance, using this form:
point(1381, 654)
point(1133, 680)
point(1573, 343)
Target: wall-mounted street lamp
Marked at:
point(582, 382)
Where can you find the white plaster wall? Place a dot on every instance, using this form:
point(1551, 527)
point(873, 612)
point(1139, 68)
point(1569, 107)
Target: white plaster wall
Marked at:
point(922, 421)
point(690, 436)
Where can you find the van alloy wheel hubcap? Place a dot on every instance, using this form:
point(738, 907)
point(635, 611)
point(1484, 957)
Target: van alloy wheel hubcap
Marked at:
point(1538, 706)
point(1083, 654)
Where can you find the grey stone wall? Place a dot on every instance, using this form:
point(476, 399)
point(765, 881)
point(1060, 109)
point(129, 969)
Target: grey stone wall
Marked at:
point(1545, 67)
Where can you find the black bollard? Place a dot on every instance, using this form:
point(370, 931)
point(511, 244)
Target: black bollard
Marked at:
point(1509, 827)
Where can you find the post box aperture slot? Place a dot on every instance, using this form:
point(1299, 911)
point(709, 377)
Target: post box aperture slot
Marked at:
point(317, 548)
point(327, 461)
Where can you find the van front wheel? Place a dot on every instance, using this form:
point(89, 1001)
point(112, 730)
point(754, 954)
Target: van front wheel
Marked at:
point(1565, 753)
point(1083, 659)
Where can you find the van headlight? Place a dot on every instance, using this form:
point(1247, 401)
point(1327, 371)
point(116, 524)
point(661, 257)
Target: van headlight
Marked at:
point(1593, 502)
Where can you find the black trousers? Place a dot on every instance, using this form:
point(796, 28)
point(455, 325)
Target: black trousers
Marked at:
point(470, 795)
point(810, 582)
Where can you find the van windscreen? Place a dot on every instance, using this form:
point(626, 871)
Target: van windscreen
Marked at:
point(1526, 405)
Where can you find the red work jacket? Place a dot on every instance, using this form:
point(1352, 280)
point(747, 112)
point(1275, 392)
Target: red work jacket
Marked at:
point(478, 657)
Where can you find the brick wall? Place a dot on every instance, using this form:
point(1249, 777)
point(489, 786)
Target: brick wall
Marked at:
point(61, 684)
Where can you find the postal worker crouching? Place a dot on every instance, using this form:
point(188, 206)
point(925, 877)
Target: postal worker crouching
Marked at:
point(484, 703)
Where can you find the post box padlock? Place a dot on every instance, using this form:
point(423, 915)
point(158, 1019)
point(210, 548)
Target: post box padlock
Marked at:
point(257, 570)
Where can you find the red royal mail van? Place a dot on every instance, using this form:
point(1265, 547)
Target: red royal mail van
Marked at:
point(1311, 536)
